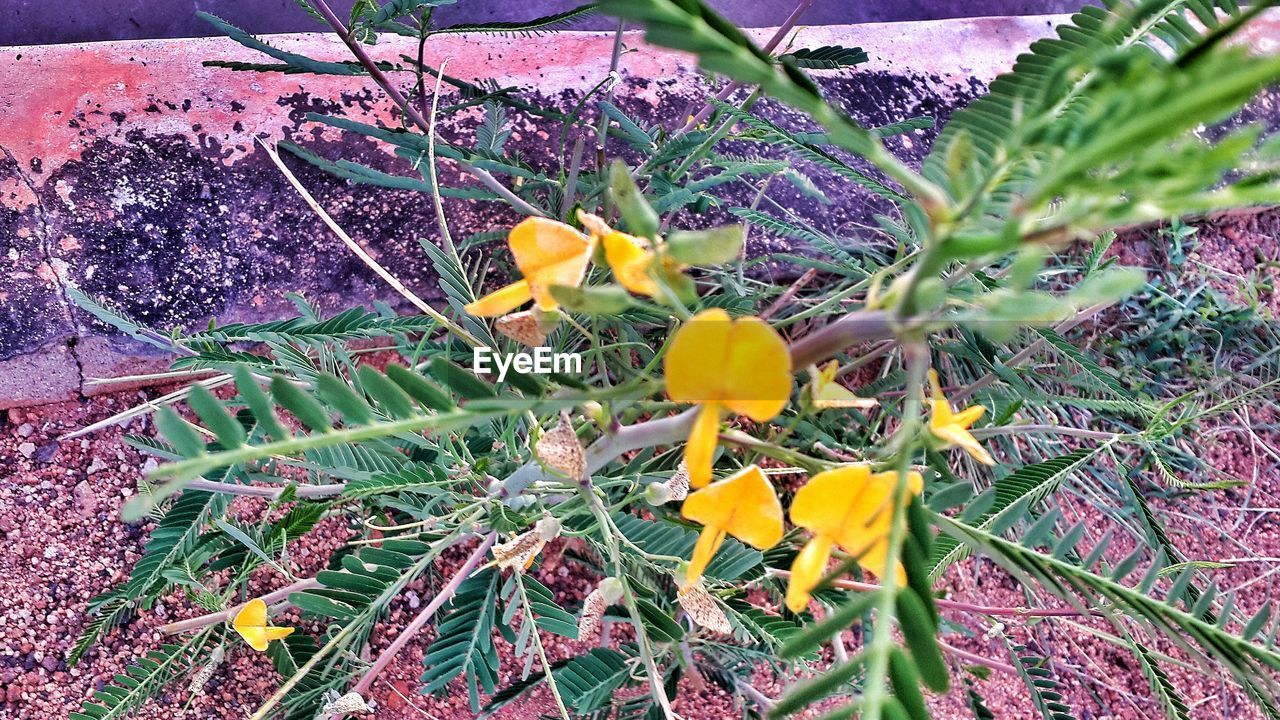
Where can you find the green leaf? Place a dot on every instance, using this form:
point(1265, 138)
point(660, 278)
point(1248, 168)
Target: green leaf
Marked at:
point(659, 625)
point(920, 634)
point(827, 57)
point(1012, 496)
point(818, 633)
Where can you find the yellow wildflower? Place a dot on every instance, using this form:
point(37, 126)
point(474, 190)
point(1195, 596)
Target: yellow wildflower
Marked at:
point(953, 427)
point(851, 507)
point(827, 393)
point(723, 365)
point(548, 253)
point(251, 624)
point(743, 505)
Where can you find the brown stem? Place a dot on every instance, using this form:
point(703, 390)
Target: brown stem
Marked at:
point(225, 615)
point(406, 106)
point(852, 329)
point(786, 27)
point(446, 593)
point(993, 610)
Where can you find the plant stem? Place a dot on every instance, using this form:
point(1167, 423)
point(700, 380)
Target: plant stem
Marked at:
point(226, 615)
point(409, 111)
point(778, 36)
point(916, 356)
point(364, 256)
point(993, 610)
point(411, 630)
point(628, 597)
point(537, 644)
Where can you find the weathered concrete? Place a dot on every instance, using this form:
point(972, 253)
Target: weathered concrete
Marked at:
point(32, 22)
point(131, 171)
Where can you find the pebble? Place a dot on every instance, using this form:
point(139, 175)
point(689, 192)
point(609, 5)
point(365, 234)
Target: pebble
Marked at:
point(26, 429)
point(27, 449)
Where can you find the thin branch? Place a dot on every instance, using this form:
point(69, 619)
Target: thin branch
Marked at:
point(413, 628)
point(408, 109)
point(728, 91)
point(364, 256)
point(993, 610)
point(274, 596)
point(977, 659)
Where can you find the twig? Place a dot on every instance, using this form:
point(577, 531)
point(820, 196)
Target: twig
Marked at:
point(446, 593)
point(364, 256)
point(225, 615)
point(1022, 355)
point(733, 87)
point(785, 297)
point(265, 491)
point(412, 113)
point(998, 611)
point(977, 659)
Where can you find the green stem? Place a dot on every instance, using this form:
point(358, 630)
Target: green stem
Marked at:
point(882, 642)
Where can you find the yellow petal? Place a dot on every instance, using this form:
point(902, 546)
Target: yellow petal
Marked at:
point(850, 504)
point(967, 417)
point(941, 408)
point(959, 437)
point(255, 636)
point(630, 263)
point(743, 505)
point(253, 614)
point(699, 452)
point(549, 253)
point(824, 504)
point(709, 541)
point(501, 301)
point(827, 393)
point(757, 374)
point(874, 558)
point(807, 569)
point(251, 624)
point(694, 362)
point(835, 395)
point(539, 243)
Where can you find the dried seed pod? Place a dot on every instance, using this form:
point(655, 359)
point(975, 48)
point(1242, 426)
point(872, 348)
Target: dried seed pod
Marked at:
point(560, 450)
point(201, 676)
point(352, 702)
point(702, 608)
point(592, 612)
point(521, 327)
point(679, 483)
point(547, 529)
point(519, 551)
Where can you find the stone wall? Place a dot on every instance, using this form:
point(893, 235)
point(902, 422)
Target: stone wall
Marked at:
point(131, 171)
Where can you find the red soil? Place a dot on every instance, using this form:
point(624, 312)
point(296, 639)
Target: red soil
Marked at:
point(64, 543)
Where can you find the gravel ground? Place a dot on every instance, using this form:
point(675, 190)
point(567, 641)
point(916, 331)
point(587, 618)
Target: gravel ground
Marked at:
point(59, 513)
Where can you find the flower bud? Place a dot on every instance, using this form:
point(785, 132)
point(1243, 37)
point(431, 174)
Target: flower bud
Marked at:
point(611, 588)
point(657, 494)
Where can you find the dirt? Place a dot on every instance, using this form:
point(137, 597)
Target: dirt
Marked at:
point(59, 512)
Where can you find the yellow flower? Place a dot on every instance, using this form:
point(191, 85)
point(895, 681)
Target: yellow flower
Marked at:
point(953, 427)
point(723, 365)
point(827, 393)
point(850, 507)
point(630, 259)
point(251, 624)
point(547, 253)
point(743, 505)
